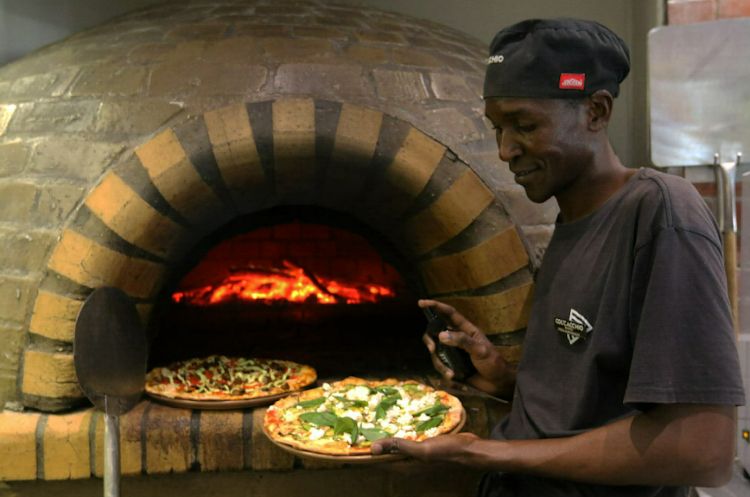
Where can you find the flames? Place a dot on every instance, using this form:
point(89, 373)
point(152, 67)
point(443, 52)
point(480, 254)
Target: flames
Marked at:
point(291, 283)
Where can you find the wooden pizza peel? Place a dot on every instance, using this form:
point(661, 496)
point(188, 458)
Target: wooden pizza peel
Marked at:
point(110, 351)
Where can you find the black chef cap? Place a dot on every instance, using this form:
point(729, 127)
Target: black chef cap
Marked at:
point(555, 58)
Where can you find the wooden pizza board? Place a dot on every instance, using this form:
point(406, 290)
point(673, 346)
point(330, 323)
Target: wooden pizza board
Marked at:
point(353, 459)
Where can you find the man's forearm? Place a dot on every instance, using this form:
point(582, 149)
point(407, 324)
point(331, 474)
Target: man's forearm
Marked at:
point(670, 445)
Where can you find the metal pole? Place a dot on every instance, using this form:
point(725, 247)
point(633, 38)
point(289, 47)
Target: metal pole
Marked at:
point(111, 455)
point(725, 178)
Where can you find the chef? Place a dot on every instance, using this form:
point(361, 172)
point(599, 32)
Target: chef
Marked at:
point(629, 377)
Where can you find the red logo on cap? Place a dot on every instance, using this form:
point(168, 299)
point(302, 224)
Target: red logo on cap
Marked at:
point(572, 81)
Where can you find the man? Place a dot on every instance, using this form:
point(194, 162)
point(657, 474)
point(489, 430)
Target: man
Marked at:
point(629, 375)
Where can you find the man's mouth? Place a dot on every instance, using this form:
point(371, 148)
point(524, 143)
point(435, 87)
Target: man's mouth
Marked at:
point(521, 174)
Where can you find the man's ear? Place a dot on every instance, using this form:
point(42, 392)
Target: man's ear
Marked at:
point(600, 110)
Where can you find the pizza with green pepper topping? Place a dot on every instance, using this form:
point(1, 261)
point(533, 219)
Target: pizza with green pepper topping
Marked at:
point(228, 378)
point(345, 417)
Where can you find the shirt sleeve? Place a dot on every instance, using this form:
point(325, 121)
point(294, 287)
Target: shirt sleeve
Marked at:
point(684, 348)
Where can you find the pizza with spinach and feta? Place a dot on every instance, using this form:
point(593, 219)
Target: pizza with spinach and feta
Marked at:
point(345, 417)
point(228, 378)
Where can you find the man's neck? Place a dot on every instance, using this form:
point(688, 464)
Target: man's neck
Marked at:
point(606, 176)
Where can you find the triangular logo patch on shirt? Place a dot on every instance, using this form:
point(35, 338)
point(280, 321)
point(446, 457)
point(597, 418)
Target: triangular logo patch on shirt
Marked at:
point(575, 327)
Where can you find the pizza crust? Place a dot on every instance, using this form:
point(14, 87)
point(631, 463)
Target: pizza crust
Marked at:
point(280, 430)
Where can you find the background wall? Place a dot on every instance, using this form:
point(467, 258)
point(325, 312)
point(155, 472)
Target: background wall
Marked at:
point(26, 25)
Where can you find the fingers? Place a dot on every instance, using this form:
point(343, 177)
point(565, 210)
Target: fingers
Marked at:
point(455, 319)
point(441, 368)
point(396, 446)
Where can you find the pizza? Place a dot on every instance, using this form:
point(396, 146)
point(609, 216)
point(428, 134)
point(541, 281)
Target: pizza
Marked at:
point(345, 417)
point(223, 378)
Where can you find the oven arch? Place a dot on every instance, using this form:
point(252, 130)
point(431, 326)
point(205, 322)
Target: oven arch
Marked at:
point(190, 179)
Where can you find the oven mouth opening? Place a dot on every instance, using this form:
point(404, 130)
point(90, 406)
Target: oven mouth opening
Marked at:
point(302, 284)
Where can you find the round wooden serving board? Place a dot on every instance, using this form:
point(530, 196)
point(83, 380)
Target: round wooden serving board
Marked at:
point(354, 459)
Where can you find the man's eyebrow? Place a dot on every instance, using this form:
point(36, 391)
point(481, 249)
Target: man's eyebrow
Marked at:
point(514, 113)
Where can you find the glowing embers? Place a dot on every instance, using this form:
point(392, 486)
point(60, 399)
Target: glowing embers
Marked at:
point(289, 284)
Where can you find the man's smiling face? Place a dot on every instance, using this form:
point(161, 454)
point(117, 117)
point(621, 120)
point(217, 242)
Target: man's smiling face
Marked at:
point(544, 141)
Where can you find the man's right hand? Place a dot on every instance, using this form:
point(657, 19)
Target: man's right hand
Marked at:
point(494, 375)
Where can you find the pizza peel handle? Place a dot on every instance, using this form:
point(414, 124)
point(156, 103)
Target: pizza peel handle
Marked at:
point(110, 351)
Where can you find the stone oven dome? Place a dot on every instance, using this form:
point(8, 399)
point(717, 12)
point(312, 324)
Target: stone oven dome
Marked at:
point(122, 146)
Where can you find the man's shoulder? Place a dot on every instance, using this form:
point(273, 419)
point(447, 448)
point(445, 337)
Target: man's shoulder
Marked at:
point(671, 202)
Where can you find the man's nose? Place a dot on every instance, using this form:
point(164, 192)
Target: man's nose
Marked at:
point(509, 148)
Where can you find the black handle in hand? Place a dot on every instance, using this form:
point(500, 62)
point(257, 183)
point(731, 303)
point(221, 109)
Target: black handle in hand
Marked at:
point(453, 357)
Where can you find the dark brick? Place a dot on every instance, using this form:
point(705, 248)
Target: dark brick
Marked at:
point(400, 85)
point(286, 48)
point(365, 53)
point(287, 231)
point(206, 79)
point(327, 248)
point(452, 87)
point(381, 37)
point(317, 266)
point(198, 31)
point(259, 234)
point(272, 10)
point(85, 159)
point(316, 231)
point(232, 50)
point(273, 249)
point(261, 31)
point(335, 81)
point(246, 248)
point(13, 158)
point(52, 84)
point(407, 57)
point(25, 251)
point(344, 268)
point(51, 117)
point(143, 116)
point(302, 249)
point(17, 202)
point(151, 53)
point(223, 250)
point(56, 203)
point(339, 23)
point(111, 80)
point(316, 32)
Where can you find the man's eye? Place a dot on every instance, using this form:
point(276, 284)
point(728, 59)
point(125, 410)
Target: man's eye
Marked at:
point(526, 129)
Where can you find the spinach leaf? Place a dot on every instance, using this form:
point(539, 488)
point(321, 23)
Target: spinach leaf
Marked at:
point(372, 434)
point(384, 390)
point(430, 423)
point(349, 403)
point(431, 411)
point(311, 402)
point(320, 419)
point(386, 404)
point(346, 425)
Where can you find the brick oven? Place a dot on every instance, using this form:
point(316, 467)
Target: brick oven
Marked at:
point(173, 148)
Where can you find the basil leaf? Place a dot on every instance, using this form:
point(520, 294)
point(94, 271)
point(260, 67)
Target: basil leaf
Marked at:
point(346, 425)
point(311, 402)
point(372, 434)
point(319, 419)
point(430, 423)
point(431, 411)
point(414, 390)
point(349, 402)
point(386, 404)
point(384, 390)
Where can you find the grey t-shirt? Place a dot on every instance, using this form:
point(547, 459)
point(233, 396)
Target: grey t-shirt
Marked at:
point(630, 310)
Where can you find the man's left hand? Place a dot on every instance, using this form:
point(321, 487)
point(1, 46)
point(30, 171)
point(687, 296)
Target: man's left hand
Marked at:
point(441, 448)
